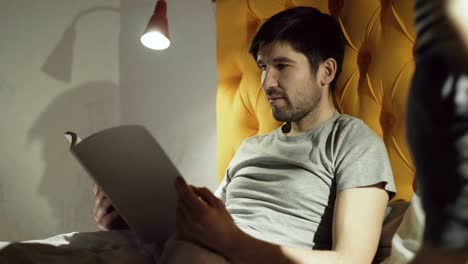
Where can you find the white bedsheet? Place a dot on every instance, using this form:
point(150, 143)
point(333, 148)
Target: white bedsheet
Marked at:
point(122, 247)
point(408, 237)
point(111, 247)
point(91, 247)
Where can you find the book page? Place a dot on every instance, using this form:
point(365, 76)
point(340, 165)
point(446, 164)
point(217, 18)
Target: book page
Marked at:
point(136, 174)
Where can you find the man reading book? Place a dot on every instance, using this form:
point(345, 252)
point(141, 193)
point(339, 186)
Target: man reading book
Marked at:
point(313, 190)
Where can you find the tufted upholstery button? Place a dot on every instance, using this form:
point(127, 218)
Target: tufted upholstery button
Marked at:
point(335, 6)
point(388, 122)
point(364, 59)
point(385, 3)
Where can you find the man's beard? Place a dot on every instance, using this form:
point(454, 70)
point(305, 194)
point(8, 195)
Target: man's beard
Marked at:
point(289, 114)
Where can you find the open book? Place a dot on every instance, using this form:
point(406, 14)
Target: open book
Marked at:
point(136, 175)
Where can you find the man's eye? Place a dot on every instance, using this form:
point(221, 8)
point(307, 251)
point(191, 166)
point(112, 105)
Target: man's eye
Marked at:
point(281, 66)
point(262, 67)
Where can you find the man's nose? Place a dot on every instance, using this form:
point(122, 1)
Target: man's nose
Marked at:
point(269, 79)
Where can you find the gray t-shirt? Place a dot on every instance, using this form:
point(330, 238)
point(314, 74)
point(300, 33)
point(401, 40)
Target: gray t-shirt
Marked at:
point(282, 189)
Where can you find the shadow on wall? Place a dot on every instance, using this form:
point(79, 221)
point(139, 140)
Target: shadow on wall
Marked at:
point(85, 109)
point(59, 63)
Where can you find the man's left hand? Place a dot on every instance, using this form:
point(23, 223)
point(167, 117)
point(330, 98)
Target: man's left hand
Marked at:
point(203, 219)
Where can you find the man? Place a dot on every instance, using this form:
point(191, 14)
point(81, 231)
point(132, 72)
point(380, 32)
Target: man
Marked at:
point(314, 190)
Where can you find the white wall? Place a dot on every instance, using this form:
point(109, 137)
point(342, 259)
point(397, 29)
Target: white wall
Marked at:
point(43, 191)
point(173, 92)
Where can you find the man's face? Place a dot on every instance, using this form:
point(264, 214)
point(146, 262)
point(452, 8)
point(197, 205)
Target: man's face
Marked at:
point(291, 88)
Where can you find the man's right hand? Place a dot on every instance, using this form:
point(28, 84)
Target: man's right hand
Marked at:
point(105, 215)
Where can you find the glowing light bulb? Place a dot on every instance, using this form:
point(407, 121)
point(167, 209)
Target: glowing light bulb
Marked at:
point(155, 40)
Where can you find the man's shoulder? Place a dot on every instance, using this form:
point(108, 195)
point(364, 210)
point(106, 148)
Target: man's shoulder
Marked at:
point(345, 120)
point(351, 127)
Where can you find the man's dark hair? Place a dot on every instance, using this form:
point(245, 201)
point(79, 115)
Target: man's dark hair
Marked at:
point(316, 35)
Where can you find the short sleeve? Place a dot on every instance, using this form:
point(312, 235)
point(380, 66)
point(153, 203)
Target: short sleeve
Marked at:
point(361, 158)
point(220, 192)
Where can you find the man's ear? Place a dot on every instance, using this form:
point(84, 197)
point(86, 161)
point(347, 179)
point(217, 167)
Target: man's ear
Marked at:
point(328, 72)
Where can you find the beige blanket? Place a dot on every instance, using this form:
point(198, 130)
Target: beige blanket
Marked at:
point(408, 237)
point(103, 247)
point(85, 248)
point(122, 247)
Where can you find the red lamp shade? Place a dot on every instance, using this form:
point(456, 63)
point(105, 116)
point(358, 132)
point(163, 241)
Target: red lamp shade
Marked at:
point(156, 35)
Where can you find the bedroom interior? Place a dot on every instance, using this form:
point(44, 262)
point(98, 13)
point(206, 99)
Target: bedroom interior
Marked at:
point(112, 79)
point(101, 76)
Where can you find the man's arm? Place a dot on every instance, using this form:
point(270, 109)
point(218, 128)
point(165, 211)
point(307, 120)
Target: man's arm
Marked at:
point(357, 225)
point(105, 215)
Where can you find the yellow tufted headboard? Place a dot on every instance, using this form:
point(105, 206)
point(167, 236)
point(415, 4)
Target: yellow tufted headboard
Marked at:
point(373, 86)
